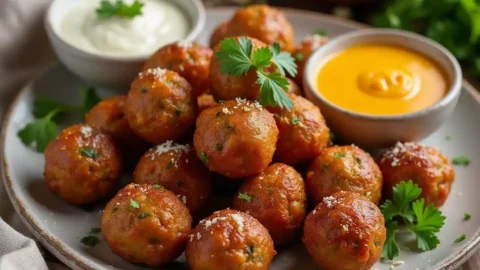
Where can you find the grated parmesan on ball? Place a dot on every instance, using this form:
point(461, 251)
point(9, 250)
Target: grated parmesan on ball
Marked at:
point(239, 220)
point(168, 146)
point(157, 72)
point(86, 131)
point(330, 201)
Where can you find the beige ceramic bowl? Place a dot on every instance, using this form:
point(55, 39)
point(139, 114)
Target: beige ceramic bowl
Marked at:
point(106, 70)
point(377, 131)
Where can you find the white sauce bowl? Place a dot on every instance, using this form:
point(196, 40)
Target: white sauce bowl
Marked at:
point(378, 131)
point(102, 69)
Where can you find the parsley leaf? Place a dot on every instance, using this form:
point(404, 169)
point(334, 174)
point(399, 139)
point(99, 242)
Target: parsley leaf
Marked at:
point(390, 248)
point(89, 99)
point(134, 204)
point(143, 215)
point(108, 9)
point(90, 240)
point(244, 196)
point(88, 152)
point(320, 32)
point(40, 131)
point(204, 157)
point(234, 56)
point(460, 239)
point(157, 186)
point(295, 121)
point(429, 220)
point(461, 161)
point(283, 61)
point(237, 58)
point(272, 90)
point(467, 216)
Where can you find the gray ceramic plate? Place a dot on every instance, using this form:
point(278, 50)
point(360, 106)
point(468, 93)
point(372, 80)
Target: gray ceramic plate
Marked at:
point(60, 226)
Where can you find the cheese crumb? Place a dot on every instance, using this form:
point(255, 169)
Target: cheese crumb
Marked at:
point(199, 236)
point(314, 212)
point(86, 131)
point(226, 111)
point(157, 72)
point(168, 146)
point(239, 220)
point(345, 227)
point(329, 201)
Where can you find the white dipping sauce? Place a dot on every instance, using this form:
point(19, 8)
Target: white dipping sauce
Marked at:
point(161, 23)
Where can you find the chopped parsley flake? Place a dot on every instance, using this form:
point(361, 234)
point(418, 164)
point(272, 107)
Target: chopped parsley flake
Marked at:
point(88, 152)
point(169, 164)
point(134, 204)
point(461, 161)
point(295, 120)
point(144, 90)
point(95, 230)
point(156, 186)
point(114, 209)
point(244, 196)
point(299, 56)
point(177, 112)
point(90, 240)
point(460, 239)
point(467, 216)
point(270, 190)
point(180, 183)
point(251, 249)
point(219, 146)
point(326, 165)
point(143, 215)
point(204, 157)
point(340, 155)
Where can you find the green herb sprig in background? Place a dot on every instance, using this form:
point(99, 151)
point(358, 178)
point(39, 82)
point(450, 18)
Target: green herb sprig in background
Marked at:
point(47, 112)
point(238, 57)
point(108, 9)
point(453, 23)
point(424, 221)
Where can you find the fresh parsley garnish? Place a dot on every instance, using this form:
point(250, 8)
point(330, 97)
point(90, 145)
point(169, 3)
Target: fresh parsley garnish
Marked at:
point(219, 146)
point(108, 9)
point(244, 196)
point(340, 155)
point(237, 57)
point(295, 121)
point(461, 161)
point(95, 230)
point(299, 56)
point(143, 215)
point(170, 163)
point(134, 204)
point(46, 112)
point(251, 249)
point(460, 239)
point(320, 32)
point(204, 157)
point(157, 186)
point(423, 221)
point(88, 152)
point(90, 240)
point(180, 183)
point(467, 216)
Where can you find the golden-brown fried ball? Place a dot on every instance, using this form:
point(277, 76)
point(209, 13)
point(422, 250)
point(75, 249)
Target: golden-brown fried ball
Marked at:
point(205, 101)
point(146, 224)
point(108, 116)
point(277, 199)
point(264, 23)
point(425, 166)
point(304, 50)
point(226, 86)
point(229, 240)
point(189, 60)
point(293, 88)
point(347, 168)
point(236, 138)
point(82, 164)
point(303, 133)
point(345, 232)
point(177, 168)
point(218, 34)
point(160, 106)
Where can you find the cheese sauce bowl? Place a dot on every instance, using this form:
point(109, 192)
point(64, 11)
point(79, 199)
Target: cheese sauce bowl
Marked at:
point(377, 130)
point(100, 67)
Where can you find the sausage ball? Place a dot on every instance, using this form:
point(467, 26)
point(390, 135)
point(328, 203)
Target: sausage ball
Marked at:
point(109, 118)
point(160, 106)
point(425, 166)
point(264, 23)
point(146, 224)
point(82, 165)
point(236, 138)
point(189, 60)
point(347, 168)
point(303, 133)
point(205, 101)
point(226, 86)
point(229, 240)
point(277, 199)
point(345, 232)
point(177, 168)
point(218, 34)
point(304, 50)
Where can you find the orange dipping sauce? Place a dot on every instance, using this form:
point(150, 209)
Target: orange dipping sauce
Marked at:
point(381, 80)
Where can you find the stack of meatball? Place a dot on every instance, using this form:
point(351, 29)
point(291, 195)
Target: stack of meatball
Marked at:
point(181, 92)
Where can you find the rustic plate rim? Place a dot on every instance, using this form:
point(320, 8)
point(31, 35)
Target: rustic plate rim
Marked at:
point(63, 253)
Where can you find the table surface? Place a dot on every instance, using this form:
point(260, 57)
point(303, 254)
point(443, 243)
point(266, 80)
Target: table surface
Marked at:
point(358, 12)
